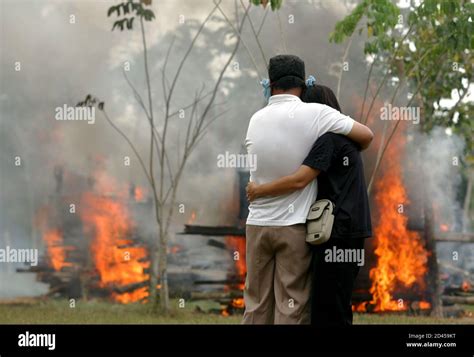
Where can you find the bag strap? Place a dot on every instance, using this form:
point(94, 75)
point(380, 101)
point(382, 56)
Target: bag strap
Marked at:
point(344, 192)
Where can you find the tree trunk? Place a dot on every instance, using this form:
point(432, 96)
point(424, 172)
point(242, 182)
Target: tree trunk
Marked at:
point(434, 286)
point(467, 200)
point(153, 295)
point(163, 273)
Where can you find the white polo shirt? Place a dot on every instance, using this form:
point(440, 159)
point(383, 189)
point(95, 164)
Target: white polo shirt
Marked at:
point(281, 136)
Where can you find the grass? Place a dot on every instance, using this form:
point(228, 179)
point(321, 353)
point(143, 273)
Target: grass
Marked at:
point(98, 312)
point(386, 319)
point(390, 319)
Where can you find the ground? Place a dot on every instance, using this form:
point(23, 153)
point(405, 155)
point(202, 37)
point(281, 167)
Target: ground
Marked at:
point(95, 312)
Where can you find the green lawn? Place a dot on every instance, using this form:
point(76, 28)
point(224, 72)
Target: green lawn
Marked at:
point(95, 312)
point(385, 319)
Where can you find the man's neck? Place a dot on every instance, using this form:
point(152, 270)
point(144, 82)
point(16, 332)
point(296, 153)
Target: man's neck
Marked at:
point(292, 91)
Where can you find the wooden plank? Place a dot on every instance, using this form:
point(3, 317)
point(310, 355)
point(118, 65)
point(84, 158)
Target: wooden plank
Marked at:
point(215, 295)
point(213, 230)
point(458, 299)
point(217, 244)
point(454, 237)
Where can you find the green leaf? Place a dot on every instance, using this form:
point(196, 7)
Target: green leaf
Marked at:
point(130, 23)
point(275, 4)
point(111, 10)
point(148, 15)
point(119, 24)
point(126, 9)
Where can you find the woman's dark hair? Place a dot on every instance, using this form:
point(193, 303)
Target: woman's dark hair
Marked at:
point(321, 94)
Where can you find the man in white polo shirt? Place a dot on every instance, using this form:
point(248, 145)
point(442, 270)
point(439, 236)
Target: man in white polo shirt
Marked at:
point(280, 136)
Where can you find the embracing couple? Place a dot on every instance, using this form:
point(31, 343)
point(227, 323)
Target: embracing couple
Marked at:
point(301, 136)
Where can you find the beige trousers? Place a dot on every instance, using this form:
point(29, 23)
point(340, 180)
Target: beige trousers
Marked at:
point(277, 287)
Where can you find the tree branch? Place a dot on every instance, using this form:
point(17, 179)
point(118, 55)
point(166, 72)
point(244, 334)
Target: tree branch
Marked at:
point(344, 57)
point(379, 160)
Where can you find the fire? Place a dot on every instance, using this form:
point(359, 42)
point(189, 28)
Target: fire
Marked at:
point(237, 244)
point(238, 303)
point(117, 261)
point(401, 256)
point(174, 249)
point(465, 286)
point(127, 298)
point(139, 194)
point(443, 227)
point(56, 252)
point(192, 218)
point(362, 307)
point(424, 305)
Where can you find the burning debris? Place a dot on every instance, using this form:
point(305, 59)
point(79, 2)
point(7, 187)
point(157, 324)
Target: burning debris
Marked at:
point(101, 252)
point(398, 277)
point(56, 250)
point(96, 251)
point(237, 246)
point(231, 299)
point(118, 259)
point(401, 255)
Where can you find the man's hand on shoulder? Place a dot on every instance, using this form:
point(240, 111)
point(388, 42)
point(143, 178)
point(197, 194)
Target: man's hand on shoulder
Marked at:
point(361, 134)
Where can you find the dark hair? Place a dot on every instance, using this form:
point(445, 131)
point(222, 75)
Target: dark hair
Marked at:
point(286, 72)
point(321, 94)
point(287, 83)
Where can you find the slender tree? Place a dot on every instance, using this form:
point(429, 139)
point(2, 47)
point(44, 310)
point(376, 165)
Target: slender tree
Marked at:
point(163, 176)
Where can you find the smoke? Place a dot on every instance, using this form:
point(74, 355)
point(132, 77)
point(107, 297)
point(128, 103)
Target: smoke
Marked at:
point(433, 167)
point(434, 162)
point(61, 62)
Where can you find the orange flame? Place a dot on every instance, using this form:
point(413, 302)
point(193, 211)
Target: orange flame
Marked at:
point(117, 261)
point(238, 245)
point(362, 307)
point(424, 305)
point(401, 256)
point(238, 303)
point(174, 249)
point(465, 286)
point(127, 298)
point(139, 193)
point(443, 227)
point(55, 249)
point(192, 218)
